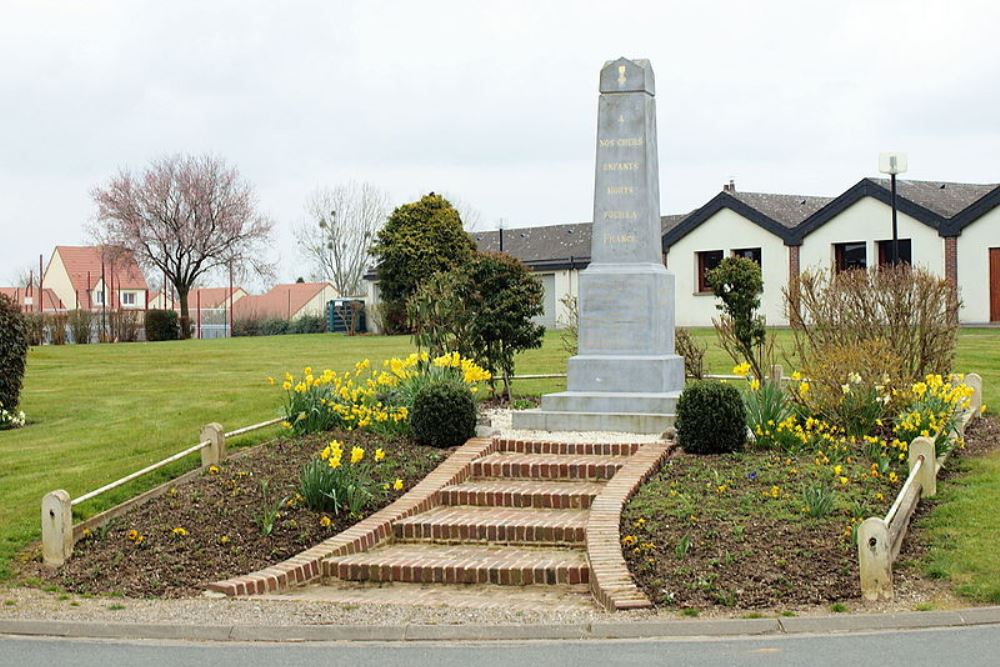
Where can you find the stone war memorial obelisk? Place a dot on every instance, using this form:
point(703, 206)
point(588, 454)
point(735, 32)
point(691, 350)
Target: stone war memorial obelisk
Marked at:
point(625, 376)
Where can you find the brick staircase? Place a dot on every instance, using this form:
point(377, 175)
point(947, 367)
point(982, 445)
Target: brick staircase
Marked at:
point(496, 513)
point(519, 518)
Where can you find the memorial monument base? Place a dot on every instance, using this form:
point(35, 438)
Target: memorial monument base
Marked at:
point(601, 400)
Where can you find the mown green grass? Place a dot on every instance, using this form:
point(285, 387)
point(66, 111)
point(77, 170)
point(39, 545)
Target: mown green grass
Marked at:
point(98, 412)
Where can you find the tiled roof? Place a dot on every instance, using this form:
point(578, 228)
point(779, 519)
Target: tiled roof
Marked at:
point(668, 222)
point(551, 243)
point(944, 198)
point(281, 301)
point(51, 301)
point(79, 260)
point(787, 210)
point(534, 244)
point(213, 297)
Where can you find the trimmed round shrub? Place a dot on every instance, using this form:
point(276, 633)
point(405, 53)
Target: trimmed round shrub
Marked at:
point(444, 414)
point(13, 352)
point(711, 418)
point(162, 325)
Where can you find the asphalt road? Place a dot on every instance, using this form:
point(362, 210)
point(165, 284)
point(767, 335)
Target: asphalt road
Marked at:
point(978, 645)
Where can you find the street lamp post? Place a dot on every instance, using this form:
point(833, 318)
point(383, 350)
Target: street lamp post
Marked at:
point(892, 164)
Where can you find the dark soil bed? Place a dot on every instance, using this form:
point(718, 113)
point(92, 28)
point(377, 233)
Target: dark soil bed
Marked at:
point(730, 530)
point(218, 513)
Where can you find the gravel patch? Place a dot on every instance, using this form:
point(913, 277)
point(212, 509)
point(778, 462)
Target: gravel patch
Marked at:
point(500, 420)
point(33, 604)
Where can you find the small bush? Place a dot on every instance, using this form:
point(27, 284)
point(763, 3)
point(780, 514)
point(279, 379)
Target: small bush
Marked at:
point(13, 353)
point(851, 385)
point(444, 414)
point(308, 324)
point(34, 328)
point(80, 323)
point(55, 324)
point(124, 325)
point(162, 325)
point(711, 418)
point(272, 327)
point(246, 327)
point(738, 284)
point(909, 310)
point(692, 351)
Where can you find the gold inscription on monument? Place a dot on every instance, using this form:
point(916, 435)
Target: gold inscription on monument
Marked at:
point(621, 215)
point(622, 142)
point(621, 190)
point(620, 166)
point(617, 239)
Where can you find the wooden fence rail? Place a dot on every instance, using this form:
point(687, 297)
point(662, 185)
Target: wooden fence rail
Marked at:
point(881, 538)
point(58, 532)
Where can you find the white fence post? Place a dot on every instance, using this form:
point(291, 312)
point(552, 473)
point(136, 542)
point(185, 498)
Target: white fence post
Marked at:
point(927, 477)
point(216, 451)
point(875, 559)
point(975, 380)
point(57, 528)
point(777, 372)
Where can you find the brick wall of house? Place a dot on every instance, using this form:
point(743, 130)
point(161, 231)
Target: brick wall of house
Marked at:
point(793, 285)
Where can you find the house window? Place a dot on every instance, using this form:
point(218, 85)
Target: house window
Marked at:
point(128, 298)
point(748, 253)
point(99, 298)
point(850, 255)
point(885, 252)
point(707, 260)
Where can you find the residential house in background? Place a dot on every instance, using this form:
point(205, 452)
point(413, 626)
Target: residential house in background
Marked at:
point(208, 298)
point(27, 298)
point(91, 277)
point(287, 301)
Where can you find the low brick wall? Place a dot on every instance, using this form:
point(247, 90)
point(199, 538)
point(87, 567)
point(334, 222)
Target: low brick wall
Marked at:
point(610, 581)
point(306, 566)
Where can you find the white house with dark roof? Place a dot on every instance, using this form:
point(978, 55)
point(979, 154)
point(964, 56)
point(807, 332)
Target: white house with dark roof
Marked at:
point(749, 224)
point(951, 229)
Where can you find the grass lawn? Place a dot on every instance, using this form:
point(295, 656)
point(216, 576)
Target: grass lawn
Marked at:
point(98, 412)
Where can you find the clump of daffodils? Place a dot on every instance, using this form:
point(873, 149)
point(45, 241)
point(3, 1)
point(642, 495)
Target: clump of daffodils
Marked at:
point(379, 399)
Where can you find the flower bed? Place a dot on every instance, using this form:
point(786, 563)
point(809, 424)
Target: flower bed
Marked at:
point(776, 525)
point(240, 516)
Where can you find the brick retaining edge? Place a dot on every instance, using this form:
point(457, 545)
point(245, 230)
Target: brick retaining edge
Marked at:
point(363, 535)
point(610, 580)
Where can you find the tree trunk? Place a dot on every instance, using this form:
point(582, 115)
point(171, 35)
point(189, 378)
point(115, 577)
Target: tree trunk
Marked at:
point(185, 319)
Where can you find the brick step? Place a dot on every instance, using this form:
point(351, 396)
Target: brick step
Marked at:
point(545, 494)
point(547, 466)
point(568, 448)
point(462, 564)
point(508, 525)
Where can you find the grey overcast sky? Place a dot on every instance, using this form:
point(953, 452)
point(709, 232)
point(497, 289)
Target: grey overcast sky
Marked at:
point(494, 102)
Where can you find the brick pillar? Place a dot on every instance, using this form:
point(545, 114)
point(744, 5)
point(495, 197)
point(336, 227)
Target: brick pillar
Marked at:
point(793, 284)
point(951, 266)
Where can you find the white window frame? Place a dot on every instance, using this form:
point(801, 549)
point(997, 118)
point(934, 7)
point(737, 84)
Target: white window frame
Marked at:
point(128, 298)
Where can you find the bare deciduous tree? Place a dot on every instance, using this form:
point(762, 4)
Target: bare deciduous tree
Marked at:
point(184, 216)
point(472, 217)
point(343, 223)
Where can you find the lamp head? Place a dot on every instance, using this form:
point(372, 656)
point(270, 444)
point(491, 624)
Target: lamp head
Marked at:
point(892, 163)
